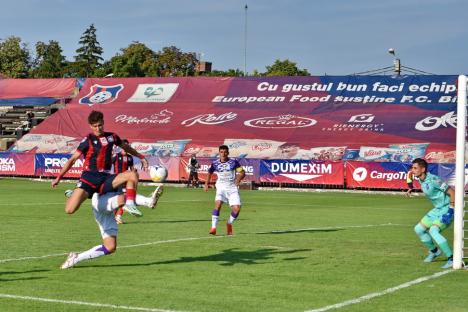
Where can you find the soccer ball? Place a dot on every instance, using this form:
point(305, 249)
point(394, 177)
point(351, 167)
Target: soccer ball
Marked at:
point(158, 173)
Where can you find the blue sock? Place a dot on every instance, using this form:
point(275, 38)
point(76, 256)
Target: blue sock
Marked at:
point(440, 240)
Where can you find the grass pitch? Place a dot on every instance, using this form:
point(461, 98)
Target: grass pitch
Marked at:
point(291, 251)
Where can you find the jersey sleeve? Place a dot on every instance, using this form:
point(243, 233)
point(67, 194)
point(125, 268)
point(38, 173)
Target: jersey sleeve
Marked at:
point(237, 166)
point(211, 169)
point(117, 140)
point(83, 146)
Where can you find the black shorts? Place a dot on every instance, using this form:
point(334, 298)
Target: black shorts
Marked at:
point(96, 182)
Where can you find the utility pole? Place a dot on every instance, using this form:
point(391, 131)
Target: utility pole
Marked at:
point(245, 41)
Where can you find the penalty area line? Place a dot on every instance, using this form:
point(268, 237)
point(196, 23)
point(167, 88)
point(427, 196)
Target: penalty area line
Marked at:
point(90, 304)
point(381, 293)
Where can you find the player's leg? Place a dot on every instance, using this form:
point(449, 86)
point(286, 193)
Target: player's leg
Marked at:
point(435, 232)
point(130, 180)
point(74, 202)
point(102, 210)
point(235, 203)
point(219, 199)
point(196, 181)
point(422, 230)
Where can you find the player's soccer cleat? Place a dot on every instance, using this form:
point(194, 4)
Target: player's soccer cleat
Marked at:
point(70, 261)
point(68, 193)
point(448, 264)
point(155, 196)
point(432, 256)
point(229, 229)
point(213, 231)
point(118, 219)
point(132, 209)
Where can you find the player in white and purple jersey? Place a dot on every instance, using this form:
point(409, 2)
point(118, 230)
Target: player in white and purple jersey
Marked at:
point(230, 173)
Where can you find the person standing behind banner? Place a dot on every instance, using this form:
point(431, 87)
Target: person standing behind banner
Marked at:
point(193, 167)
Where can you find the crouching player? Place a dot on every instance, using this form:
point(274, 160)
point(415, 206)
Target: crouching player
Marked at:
point(230, 173)
point(439, 218)
point(103, 207)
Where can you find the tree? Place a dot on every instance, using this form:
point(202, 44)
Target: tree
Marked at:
point(49, 61)
point(136, 60)
point(14, 58)
point(89, 53)
point(172, 62)
point(285, 68)
point(225, 73)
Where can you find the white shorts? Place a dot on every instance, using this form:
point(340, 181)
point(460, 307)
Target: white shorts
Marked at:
point(228, 195)
point(103, 210)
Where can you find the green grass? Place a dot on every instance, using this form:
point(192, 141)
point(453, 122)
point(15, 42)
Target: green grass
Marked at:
point(291, 251)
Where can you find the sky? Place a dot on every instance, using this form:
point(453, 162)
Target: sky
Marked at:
point(328, 37)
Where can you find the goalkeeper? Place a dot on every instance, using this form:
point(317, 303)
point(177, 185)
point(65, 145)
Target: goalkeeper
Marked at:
point(440, 217)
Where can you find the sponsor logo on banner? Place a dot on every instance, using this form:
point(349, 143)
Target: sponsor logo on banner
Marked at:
point(432, 123)
point(280, 122)
point(209, 119)
point(60, 162)
point(153, 92)
point(300, 171)
point(360, 122)
point(163, 117)
point(261, 146)
point(99, 94)
point(360, 174)
point(7, 164)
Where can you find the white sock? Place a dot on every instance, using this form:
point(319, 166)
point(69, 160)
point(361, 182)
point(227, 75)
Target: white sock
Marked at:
point(214, 221)
point(141, 200)
point(96, 251)
point(231, 219)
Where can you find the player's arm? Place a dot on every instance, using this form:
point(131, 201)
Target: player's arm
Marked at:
point(451, 192)
point(66, 167)
point(130, 150)
point(207, 181)
point(240, 174)
point(409, 181)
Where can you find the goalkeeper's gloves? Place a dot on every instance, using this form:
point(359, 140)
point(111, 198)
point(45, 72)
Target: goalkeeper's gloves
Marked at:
point(447, 218)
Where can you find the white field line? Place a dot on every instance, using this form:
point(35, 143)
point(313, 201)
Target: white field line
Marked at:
point(206, 237)
point(381, 293)
point(90, 304)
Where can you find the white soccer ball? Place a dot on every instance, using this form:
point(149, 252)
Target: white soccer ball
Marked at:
point(158, 173)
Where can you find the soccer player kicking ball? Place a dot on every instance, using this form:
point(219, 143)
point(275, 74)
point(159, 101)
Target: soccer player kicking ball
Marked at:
point(439, 218)
point(97, 148)
point(230, 173)
point(103, 209)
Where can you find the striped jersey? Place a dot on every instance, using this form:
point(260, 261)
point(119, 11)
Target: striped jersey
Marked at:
point(97, 151)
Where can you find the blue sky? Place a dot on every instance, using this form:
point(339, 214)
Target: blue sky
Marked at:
point(334, 37)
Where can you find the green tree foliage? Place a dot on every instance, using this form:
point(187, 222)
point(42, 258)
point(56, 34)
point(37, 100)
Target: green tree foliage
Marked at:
point(285, 68)
point(14, 58)
point(172, 62)
point(49, 61)
point(136, 60)
point(89, 53)
point(225, 73)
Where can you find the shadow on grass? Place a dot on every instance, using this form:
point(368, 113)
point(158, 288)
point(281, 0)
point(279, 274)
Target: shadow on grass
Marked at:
point(299, 231)
point(21, 278)
point(228, 257)
point(165, 221)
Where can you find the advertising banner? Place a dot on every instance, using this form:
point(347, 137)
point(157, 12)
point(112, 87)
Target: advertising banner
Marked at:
point(16, 164)
point(50, 165)
point(302, 171)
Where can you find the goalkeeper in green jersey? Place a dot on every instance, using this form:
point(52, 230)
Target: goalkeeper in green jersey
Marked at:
point(439, 218)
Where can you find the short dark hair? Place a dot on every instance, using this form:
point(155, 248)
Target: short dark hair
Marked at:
point(224, 147)
point(421, 162)
point(95, 116)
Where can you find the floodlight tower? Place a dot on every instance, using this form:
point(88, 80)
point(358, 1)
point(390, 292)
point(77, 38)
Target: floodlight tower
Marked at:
point(396, 62)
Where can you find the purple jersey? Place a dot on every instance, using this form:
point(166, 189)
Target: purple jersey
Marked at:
point(226, 171)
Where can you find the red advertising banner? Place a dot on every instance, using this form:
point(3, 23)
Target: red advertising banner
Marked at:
point(16, 164)
point(376, 175)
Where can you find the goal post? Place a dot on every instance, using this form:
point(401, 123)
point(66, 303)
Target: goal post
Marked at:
point(458, 224)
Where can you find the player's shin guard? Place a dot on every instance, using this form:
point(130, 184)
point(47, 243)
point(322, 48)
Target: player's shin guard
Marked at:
point(233, 217)
point(440, 240)
point(424, 236)
point(214, 218)
point(96, 251)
